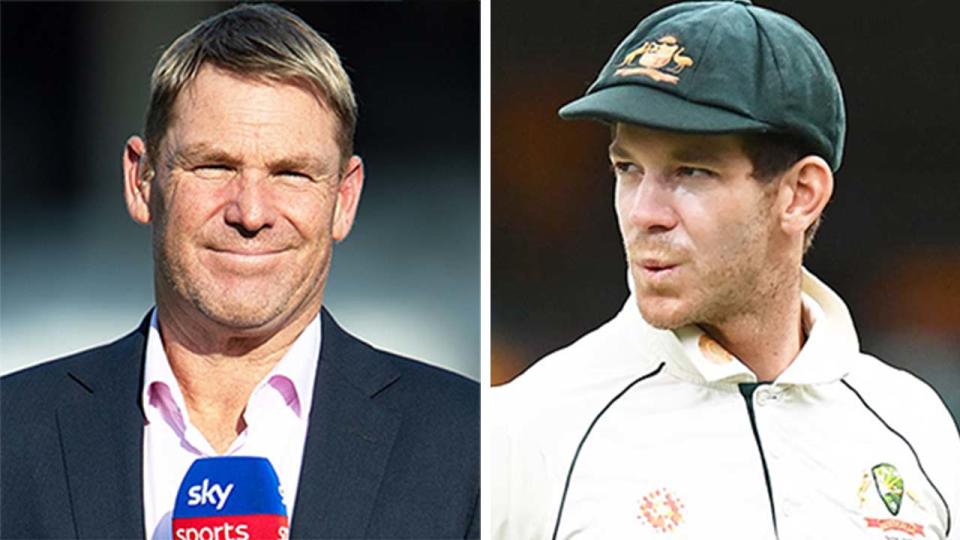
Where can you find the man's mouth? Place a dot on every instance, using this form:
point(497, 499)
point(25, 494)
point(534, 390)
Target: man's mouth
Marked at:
point(247, 252)
point(657, 268)
point(656, 264)
point(247, 256)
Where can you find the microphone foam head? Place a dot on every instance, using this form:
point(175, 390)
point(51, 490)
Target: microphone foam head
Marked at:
point(230, 498)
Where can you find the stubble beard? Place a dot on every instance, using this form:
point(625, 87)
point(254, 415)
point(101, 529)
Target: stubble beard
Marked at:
point(733, 282)
point(215, 300)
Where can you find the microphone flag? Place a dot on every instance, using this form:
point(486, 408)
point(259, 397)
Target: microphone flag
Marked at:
point(230, 498)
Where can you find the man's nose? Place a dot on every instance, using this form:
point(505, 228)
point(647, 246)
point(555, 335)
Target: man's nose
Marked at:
point(651, 205)
point(250, 207)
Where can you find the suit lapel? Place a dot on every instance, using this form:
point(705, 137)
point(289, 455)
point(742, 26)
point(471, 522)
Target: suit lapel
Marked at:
point(349, 439)
point(101, 435)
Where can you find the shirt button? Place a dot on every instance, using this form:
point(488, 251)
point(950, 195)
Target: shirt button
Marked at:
point(767, 395)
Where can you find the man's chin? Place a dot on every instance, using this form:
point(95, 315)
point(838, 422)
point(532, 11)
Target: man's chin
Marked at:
point(663, 313)
point(242, 316)
point(243, 322)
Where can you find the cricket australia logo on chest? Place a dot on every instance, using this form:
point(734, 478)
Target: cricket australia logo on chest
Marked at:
point(661, 60)
point(883, 483)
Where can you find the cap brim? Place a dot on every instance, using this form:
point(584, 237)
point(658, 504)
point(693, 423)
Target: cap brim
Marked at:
point(647, 106)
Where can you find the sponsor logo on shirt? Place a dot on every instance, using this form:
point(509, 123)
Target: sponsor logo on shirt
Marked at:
point(662, 510)
point(889, 485)
point(890, 490)
point(713, 350)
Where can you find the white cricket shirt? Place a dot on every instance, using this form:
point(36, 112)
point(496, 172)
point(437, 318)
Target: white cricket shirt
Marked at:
point(276, 415)
point(640, 433)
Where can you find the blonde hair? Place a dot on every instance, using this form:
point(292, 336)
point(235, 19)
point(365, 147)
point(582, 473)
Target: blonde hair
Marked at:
point(257, 40)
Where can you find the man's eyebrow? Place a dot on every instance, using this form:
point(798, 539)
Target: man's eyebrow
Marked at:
point(690, 153)
point(616, 150)
point(203, 152)
point(299, 161)
point(699, 154)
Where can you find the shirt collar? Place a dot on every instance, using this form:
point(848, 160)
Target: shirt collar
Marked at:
point(831, 338)
point(298, 368)
point(293, 376)
point(161, 397)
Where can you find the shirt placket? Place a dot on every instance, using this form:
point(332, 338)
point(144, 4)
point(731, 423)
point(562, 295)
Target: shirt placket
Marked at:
point(763, 402)
point(271, 429)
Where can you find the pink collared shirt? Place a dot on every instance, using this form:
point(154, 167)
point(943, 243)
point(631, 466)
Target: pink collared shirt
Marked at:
point(276, 415)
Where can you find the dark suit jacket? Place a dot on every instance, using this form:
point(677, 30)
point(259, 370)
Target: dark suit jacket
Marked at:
point(392, 448)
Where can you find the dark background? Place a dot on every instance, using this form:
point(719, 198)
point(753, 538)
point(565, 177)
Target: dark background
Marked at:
point(890, 241)
point(76, 271)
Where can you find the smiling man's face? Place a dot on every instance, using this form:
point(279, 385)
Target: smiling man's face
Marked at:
point(696, 226)
point(248, 199)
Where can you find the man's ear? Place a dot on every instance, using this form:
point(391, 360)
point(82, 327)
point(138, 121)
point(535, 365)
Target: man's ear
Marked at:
point(348, 198)
point(137, 179)
point(804, 192)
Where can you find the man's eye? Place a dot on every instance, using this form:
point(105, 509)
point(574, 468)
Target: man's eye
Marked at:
point(212, 169)
point(623, 167)
point(298, 175)
point(695, 172)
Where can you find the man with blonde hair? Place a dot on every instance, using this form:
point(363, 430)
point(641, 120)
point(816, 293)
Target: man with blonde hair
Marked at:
point(247, 177)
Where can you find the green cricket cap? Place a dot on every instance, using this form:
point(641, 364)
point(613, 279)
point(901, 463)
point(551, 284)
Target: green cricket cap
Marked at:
point(721, 67)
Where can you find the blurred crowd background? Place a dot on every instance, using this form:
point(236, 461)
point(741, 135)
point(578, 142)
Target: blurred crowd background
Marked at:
point(890, 241)
point(78, 272)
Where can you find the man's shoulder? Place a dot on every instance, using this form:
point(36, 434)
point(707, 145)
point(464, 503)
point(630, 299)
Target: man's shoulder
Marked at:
point(32, 400)
point(53, 380)
point(622, 347)
point(904, 402)
point(914, 412)
point(398, 382)
point(438, 409)
point(431, 386)
point(567, 387)
point(873, 379)
point(539, 418)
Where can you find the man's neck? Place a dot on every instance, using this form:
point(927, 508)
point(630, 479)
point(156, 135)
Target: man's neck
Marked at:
point(767, 339)
point(217, 371)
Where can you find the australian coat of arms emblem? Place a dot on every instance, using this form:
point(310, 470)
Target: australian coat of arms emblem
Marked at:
point(661, 60)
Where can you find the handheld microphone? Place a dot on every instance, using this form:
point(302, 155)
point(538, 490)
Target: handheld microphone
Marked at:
point(230, 498)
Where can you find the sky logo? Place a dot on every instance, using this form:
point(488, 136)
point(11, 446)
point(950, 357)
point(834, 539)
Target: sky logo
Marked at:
point(206, 493)
point(230, 498)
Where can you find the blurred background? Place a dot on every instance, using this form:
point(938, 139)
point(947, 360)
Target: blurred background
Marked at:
point(76, 271)
point(890, 240)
